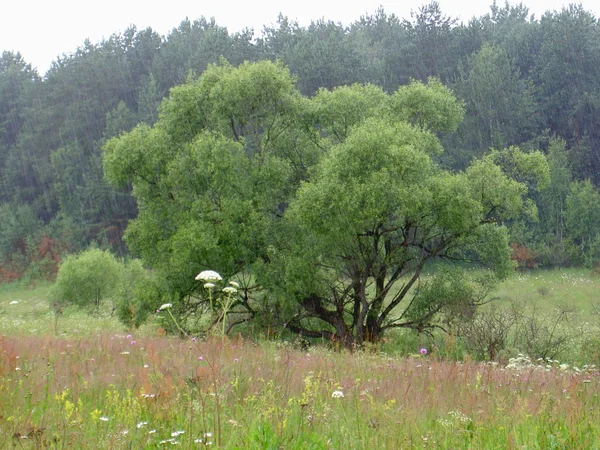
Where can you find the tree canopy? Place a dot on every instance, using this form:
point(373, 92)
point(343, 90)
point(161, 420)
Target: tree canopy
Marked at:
point(328, 210)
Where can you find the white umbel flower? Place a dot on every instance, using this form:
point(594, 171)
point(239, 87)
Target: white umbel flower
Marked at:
point(165, 306)
point(230, 290)
point(208, 275)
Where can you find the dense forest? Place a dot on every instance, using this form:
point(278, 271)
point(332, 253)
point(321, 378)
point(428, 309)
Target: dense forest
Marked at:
point(525, 81)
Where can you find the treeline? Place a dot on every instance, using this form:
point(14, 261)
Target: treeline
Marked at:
point(524, 81)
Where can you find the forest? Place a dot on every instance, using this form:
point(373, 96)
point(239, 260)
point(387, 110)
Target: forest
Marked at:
point(525, 84)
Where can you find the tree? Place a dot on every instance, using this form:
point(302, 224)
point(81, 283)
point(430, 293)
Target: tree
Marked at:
point(320, 207)
point(500, 106)
point(555, 196)
point(582, 214)
point(431, 35)
point(87, 279)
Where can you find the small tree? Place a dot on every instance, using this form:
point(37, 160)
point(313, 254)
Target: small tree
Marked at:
point(87, 279)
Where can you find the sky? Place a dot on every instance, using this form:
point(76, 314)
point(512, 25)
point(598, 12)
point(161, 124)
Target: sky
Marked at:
point(41, 30)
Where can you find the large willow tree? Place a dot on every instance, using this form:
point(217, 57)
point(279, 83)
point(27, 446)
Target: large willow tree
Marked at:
point(327, 210)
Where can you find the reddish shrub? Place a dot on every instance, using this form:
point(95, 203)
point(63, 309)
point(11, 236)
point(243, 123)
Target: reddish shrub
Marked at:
point(523, 256)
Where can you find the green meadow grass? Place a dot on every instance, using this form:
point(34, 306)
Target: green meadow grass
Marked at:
point(548, 289)
point(95, 385)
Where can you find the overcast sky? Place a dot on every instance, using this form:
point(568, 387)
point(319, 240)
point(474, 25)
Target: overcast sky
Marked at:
point(43, 29)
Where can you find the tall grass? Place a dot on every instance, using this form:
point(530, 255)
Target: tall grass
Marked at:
point(95, 386)
point(119, 391)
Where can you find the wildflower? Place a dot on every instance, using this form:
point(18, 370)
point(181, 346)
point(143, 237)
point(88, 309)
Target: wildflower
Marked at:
point(132, 342)
point(208, 275)
point(177, 433)
point(194, 339)
point(337, 394)
point(200, 358)
point(129, 336)
point(142, 424)
point(103, 418)
point(230, 290)
point(209, 285)
point(234, 284)
point(165, 306)
point(423, 351)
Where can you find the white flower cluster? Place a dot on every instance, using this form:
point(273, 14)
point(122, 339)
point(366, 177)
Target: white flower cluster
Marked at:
point(520, 362)
point(455, 420)
point(208, 275)
point(337, 394)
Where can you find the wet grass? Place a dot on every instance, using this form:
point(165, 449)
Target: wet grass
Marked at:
point(95, 385)
point(119, 391)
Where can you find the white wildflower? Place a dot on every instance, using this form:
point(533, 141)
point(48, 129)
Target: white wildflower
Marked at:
point(234, 284)
point(230, 290)
point(165, 306)
point(208, 275)
point(337, 394)
point(209, 285)
point(177, 433)
point(104, 419)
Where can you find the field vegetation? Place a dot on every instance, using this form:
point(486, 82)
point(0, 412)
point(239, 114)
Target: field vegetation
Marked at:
point(90, 383)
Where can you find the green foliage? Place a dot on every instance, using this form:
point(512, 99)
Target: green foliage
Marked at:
point(87, 279)
point(324, 203)
point(339, 109)
point(134, 294)
point(500, 107)
point(582, 213)
point(518, 79)
point(430, 106)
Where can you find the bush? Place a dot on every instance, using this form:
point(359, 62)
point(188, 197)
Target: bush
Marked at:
point(136, 295)
point(87, 279)
point(487, 333)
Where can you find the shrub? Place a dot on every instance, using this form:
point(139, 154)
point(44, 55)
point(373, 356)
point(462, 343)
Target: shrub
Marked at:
point(523, 256)
point(136, 295)
point(87, 279)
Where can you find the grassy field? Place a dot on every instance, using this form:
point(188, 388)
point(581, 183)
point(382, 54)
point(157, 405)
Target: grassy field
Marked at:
point(94, 385)
point(549, 289)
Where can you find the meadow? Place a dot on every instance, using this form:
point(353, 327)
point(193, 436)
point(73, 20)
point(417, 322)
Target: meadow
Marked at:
point(87, 383)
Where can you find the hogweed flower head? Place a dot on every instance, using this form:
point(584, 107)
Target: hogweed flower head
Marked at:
point(208, 275)
point(234, 284)
point(165, 306)
point(209, 285)
point(229, 290)
point(337, 394)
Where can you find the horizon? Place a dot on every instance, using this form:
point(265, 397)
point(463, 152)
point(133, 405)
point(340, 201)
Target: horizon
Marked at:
point(45, 44)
